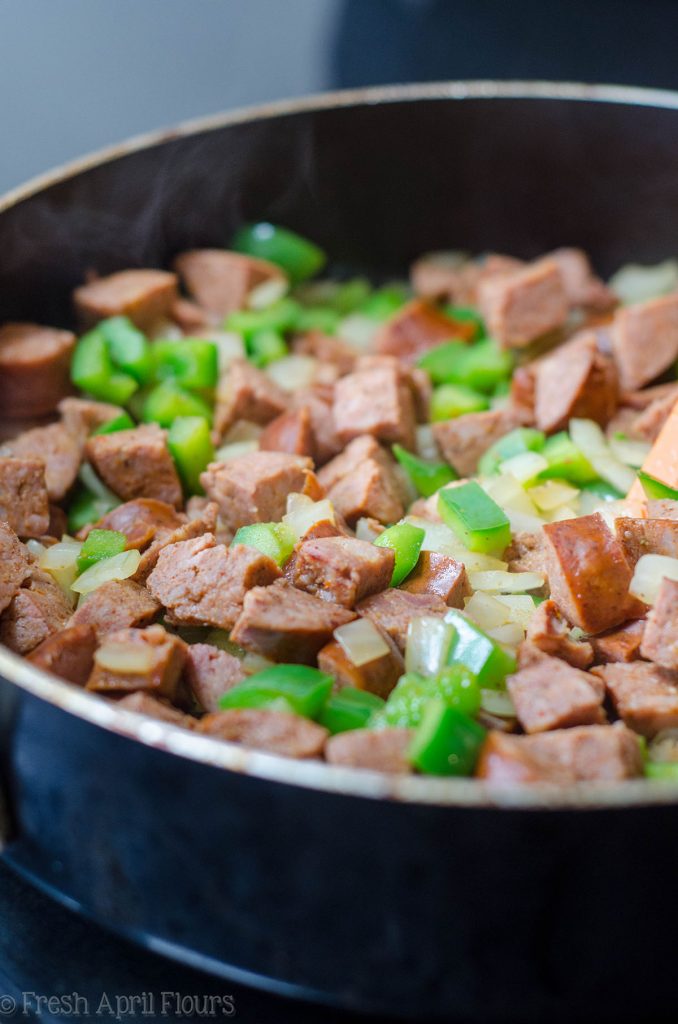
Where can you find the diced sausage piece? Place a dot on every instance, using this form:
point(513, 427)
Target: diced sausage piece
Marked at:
point(438, 275)
point(522, 306)
point(145, 296)
point(347, 461)
point(189, 316)
point(645, 340)
point(273, 731)
point(645, 696)
point(440, 575)
point(416, 380)
point(416, 328)
point(527, 553)
point(247, 393)
point(286, 624)
point(582, 286)
point(68, 653)
point(662, 508)
point(136, 464)
point(377, 676)
point(221, 281)
point(34, 368)
point(326, 444)
point(549, 631)
point(523, 391)
point(378, 750)
point(115, 605)
point(393, 610)
point(575, 381)
point(549, 694)
point(210, 673)
point(327, 349)
point(58, 522)
point(660, 639)
point(661, 460)
point(588, 574)
point(648, 424)
point(139, 659)
point(342, 569)
point(291, 432)
point(254, 487)
point(202, 583)
point(15, 565)
point(621, 644)
point(24, 503)
point(464, 439)
point(588, 753)
point(83, 415)
point(140, 520)
point(206, 522)
point(35, 612)
point(375, 402)
point(640, 537)
point(144, 704)
point(361, 482)
point(58, 448)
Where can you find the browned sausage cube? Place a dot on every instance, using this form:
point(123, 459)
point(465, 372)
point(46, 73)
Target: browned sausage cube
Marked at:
point(575, 380)
point(326, 444)
point(83, 415)
point(24, 503)
point(291, 432)
point(375, 402)
point(417, 327)
point(464, 439)
point(286, 624)
point(221, 281)
point(645, 340)
point(660, 639)
point(116, 605)
point(393, 610)
point(550, 694)
point(15, 565)
point(34, 368)
point(588, 574)
point(440, 575)
point(327, 349)
point(550, 633)
point(136, 464)
point(34, 613)
point(141, 520)
point(378, 676)
point(361, 482)
point(645, 696)
point(342, 569)
point(139, 659)
point(621, 644)
point(206, 522)
point(210, 673)
point(145, 296)
point(521, 306)
point(378, 750)
point(582, 286)
point(274, 731)
point(254, 488)
point(68, 653)
point(58, 448)
point(640, 537)
point(144, 704)
point(246, 393)
point(648, 424)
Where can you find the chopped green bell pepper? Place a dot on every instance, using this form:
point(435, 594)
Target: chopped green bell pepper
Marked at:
point(385, 301)
point(566, 461)
point(441, 361)
point(165, 402)
point(297, 256)
point(490, 662)
point(92, 370)
point(456, 686)
point(467, 314)
point(664, 771)
point(480, 367)
point(603, 490)
point(280, 316)
point(427, 477)
point(129, 347)
point(478, 521)
point(305, 690)
point(192, 363)
point(122, 422)
point(85, 507)
point(191, 448)
point(405, 541)
point(655, 488)
point(318, 318)
point(264, 347)
point(349, 709)
point(98, 545)
point(522, 439)
point(276, 540)
point(451, 400)
point(447, 741)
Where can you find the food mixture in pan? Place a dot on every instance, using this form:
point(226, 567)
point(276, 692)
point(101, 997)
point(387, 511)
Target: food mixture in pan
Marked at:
point(418, 527)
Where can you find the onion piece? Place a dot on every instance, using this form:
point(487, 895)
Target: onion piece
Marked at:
point(510, 634)
point(664, 746)
point(630, 452)
point(428, 643)
point(364, 531)
point(524, 467)
point(60, 561)
point(485, 610)
point(230, 346)
point(358, 330)
point(498, 582)
point(509, 493)
point(293, 372)
point(648, 575)
point(235, 450)
point(613, 472)
point(118, 567)
point(564, 512)
point(253, 662)
point(552, 494)
point(35, 548)
point(303, 513)
point(122, 658)
point(426, 444)
point(268, 292)
point(636, 283)
point(361, 641)
point(439, 538)
point(88, 477)
point(497, 702)
point(243, 430)
point(520, 608)
point(591, 441)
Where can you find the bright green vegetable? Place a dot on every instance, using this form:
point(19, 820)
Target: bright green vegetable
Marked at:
point(281, 316)
point(566, 461)
point(405, 541)
point(349, 709)
point(304, 690)
point(191, 448)
point(477, 520)
point(98, 545)
point(92, 370)
point(522, 439)
point(192, 363)
point(264, 347)
point(427, 477)
point(480, 367)
point(603, 490)
point(385, 301)
point(351, 295)
point(276, 540)
point(298, 257)
point(168, 400)
point(483, 656)
point(122, 422)
point(665, 771)
point(128, 347)
point(655, 488)
point(456, 686)
point(318, 318)
point(467, 314)
point(441, 361)
point(450, 400)
point(447, 741)
point(86, 507)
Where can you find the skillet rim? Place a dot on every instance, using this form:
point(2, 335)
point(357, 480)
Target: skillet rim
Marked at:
point(317, 775)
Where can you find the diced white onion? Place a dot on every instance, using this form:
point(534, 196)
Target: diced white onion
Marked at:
point(588, 437)
point(361, 641)
point(365, 531)
point(235, 450)
point(60, 562)
point(510, 634)
point(591, 441)
point(268, 292)
point(293, 372)
point(426, 444)
point(522, 522)
point(230, 346)
point(118, 567)
point(637, 283)
point(631, 453)
point(497, 702)
point(252, 662)
point(506, 582)
point(564, 512)
point(514, 500)
point(552, 494)
point(519, 608)
point(613, 472)
point(358, 330)
point(92, 482)
point(439, 538)
point(648, 575)
point(35, 548)
point(304, 514)
point(243, 430)
point(428, 643)
point(524, 467)
point(485, 610)
point(122, 658)
point(664, 747)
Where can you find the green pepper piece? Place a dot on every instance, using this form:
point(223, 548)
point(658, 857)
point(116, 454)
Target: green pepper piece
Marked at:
point(168, 400)
point(663, 771)
point(441, 361)
point(349, 709)
point(405, 541)
point(318, 318)
point(566, 461)
point(655, 488)
point(480, 653)
point(86, 507)
point(276, 540)
point(427, 477)
point(304, 689)
point(477, 520)
point(279, 316)
point(351, 295)
point(480, 367)
point(522, 439)
point(264, 347)
point(297, 256)
point(385, 301)
point(467, 314)
point(122, 422)
point(456, 686)
point(192, 363)
point(92, 371)
point(447, 741)
point(603, 490)
point(128, 347)
point(100, 544)
point(451, 400)
point(191, 448)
